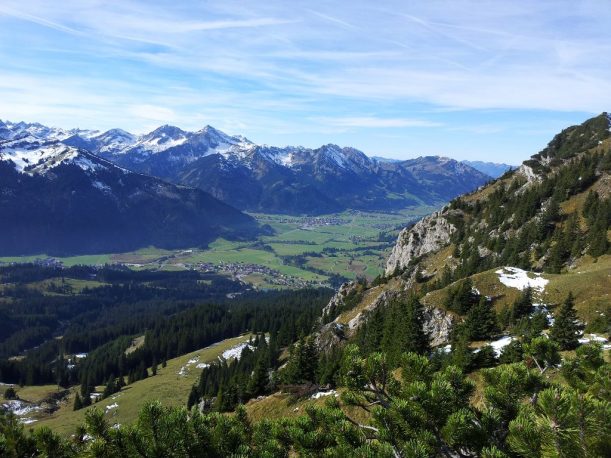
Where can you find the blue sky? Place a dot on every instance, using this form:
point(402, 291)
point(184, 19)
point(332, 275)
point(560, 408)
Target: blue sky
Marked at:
point(488, 80)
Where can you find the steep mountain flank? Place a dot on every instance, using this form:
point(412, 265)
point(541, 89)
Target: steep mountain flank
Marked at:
point(57, 199)
point(544, 225)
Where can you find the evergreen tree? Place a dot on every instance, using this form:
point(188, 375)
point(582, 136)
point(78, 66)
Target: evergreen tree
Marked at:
point(78, 403)
point(512, 353)
point(461, 355)
point(193, 397)
point(542, 353)
point(566, 327)
point(561, 423)
point(523, 306)
point(461, 297)
point(259, 379)
point(599, 244)
point(302, 364)
point(481, 321)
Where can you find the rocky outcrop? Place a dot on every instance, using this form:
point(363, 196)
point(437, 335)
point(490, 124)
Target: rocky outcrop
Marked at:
point(426, 236)
point(338, 301)
point(382, 300)
point(438, 325)
point(437, 322)
point(529, 173)
point(330, 336)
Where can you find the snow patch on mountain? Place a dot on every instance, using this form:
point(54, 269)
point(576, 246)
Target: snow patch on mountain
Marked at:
point(236, 352)
point(521, 279)
point(19, 407)
point(31, 157)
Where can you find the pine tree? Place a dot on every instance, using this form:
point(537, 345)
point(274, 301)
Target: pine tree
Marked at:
point(566, 327)
point(78, 403)
point(259, 378)
point(302, 364)
point(193, 397)
point(481, 322)
point(523, 306)
point(461, 297)
point(599, 244)
point(414, 339)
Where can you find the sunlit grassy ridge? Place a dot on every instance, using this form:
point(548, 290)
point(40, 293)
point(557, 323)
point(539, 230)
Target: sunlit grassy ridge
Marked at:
point(168, 386)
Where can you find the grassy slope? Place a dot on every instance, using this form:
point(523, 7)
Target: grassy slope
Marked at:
point(589, 281)
point(167, 386)
point(281, 405)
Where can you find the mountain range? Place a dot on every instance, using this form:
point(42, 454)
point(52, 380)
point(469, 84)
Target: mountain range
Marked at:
point(289, 180)
point(492, 169)
point(82, 191)
point(58, 199)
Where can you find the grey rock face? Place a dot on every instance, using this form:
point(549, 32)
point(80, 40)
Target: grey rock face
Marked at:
point(438, 325)
point(427, 235)
point(437, 322)
point(338, 299)
point(382, 300)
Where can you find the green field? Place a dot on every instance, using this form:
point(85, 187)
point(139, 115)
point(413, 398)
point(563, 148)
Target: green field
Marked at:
point(347, 244)
point(169, 387)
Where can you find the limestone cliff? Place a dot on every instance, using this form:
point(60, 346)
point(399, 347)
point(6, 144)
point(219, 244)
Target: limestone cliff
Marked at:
point(426, 236)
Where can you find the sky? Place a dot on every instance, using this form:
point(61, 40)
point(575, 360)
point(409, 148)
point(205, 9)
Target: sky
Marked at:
point(478, 80)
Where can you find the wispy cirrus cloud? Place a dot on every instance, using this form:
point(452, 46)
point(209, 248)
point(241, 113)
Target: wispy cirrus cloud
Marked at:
point(372, 122)
point(312, 72)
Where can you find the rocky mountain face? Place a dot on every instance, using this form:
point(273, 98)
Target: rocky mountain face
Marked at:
point(291, 180)
point(437, 322)
point(549, 215)
point(58, 199)
point(426, 236)
point(537, 187)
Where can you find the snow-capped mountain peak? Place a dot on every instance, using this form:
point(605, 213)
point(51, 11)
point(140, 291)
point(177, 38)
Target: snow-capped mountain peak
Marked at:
point(35, 157)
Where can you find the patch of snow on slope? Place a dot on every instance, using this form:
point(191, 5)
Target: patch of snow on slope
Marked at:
point(589, 338)
point(19, 407)
point(321, 394)
point(184, 370)
point(26, 157)
point(520, 279)
point(236, 352)
point(101, 186)
point(501, 343)
point(286, 160)
point(542, 308)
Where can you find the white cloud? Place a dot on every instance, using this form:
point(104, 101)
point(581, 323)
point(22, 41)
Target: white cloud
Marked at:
point(374, 122)
point(306, 67)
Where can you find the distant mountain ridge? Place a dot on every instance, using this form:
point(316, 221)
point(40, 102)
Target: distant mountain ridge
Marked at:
point(493, 169)
point(58, 199)
point(291, 180)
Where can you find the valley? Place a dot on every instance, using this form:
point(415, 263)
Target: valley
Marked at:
point(303, 251)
